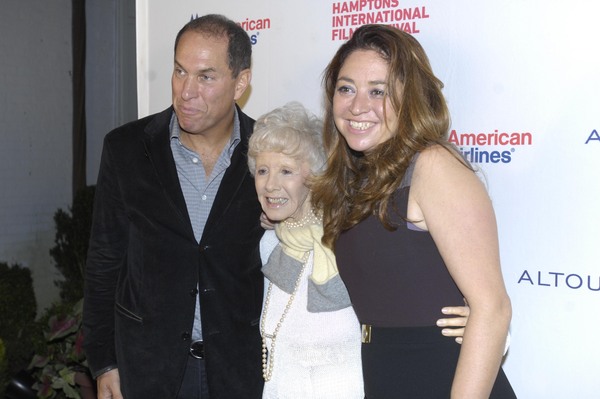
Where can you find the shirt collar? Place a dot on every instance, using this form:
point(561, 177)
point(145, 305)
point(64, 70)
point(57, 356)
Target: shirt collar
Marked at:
point(175, 131)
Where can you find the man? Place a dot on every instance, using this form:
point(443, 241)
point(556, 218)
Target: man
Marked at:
point(176, 229)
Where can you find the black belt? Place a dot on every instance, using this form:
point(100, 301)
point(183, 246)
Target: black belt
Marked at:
point(197, 349)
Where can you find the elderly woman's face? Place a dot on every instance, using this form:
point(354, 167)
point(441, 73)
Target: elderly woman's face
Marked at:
point(280, 185)
point(361, 95)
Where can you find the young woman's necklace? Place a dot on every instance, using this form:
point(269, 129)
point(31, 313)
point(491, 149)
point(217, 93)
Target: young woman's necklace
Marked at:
point(268, 356)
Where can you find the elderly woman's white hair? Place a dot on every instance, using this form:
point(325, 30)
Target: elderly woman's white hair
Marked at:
point(291, 130)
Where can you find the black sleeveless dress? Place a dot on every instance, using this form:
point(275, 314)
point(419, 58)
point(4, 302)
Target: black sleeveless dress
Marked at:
point(398, 284)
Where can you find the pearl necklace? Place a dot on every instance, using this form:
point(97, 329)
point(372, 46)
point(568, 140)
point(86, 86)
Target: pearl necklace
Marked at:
point(268, 356)
point(309, 218)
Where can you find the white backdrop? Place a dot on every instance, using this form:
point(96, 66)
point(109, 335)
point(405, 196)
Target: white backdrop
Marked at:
point(523, 85)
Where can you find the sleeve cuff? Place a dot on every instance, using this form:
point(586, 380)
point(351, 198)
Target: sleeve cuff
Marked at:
point(106, 369)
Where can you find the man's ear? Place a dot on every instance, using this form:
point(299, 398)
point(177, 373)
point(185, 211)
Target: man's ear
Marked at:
point(242, 82)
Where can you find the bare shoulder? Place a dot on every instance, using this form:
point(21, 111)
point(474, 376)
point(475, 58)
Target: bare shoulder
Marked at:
point(437, 181)
point(442, 176)
point(438, 162)
point(446, 192)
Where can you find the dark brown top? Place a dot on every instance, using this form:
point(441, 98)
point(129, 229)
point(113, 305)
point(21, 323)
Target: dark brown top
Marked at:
point(395, 278)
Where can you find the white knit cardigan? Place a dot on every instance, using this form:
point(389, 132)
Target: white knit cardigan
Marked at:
point(317, 355)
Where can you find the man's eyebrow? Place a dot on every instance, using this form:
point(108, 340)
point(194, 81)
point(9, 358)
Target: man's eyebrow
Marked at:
point(203, 70)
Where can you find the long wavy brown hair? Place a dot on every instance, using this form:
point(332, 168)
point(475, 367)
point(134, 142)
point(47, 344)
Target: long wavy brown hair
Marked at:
point(356, 185)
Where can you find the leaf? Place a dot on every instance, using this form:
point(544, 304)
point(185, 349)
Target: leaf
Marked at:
point(61, 327)
point(71, 392)
point(38, 361)
point(78, 308)
point(67, 375)
point(45, 390)
point(77, 353)
point(58, 383)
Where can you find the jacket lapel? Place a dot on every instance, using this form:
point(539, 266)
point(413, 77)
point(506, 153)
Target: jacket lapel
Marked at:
point(234, 176)
point(158, 150)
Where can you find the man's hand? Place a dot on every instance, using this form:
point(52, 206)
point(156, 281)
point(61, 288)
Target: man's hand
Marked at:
point(109, 385)
point(457, 323)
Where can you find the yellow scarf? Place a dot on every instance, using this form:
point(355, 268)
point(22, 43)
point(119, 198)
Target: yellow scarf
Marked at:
point(296, 241)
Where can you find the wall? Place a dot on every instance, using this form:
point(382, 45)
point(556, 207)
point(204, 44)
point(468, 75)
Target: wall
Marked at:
point(36, 117)
point(35, 128)
point(111, 97)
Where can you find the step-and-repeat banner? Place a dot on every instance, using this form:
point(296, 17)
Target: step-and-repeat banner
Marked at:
point(522, 79)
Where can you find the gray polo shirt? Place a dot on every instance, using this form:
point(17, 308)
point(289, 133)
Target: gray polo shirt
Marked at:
point(198, 190)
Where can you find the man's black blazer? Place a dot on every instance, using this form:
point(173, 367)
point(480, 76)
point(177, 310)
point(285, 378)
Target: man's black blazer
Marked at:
point(144, 265)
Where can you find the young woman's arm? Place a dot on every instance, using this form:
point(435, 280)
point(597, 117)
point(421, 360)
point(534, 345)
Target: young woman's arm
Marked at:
point(454, 206)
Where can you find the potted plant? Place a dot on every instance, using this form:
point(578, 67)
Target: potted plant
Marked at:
point(60, 369)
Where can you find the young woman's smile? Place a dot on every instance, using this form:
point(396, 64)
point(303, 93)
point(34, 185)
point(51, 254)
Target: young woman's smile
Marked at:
point(362, 109)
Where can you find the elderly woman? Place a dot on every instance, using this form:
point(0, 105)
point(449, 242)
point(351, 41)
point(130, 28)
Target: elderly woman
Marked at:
point(311, 337)
point(310, 334)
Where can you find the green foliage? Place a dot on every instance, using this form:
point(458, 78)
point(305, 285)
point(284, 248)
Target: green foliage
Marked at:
point(18, 329)
point(60, 359)
point(3, 369)
point(71, 239)
point(56, 338)
point(55, 367)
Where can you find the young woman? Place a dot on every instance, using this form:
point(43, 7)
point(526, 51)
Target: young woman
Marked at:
point(412, 226)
